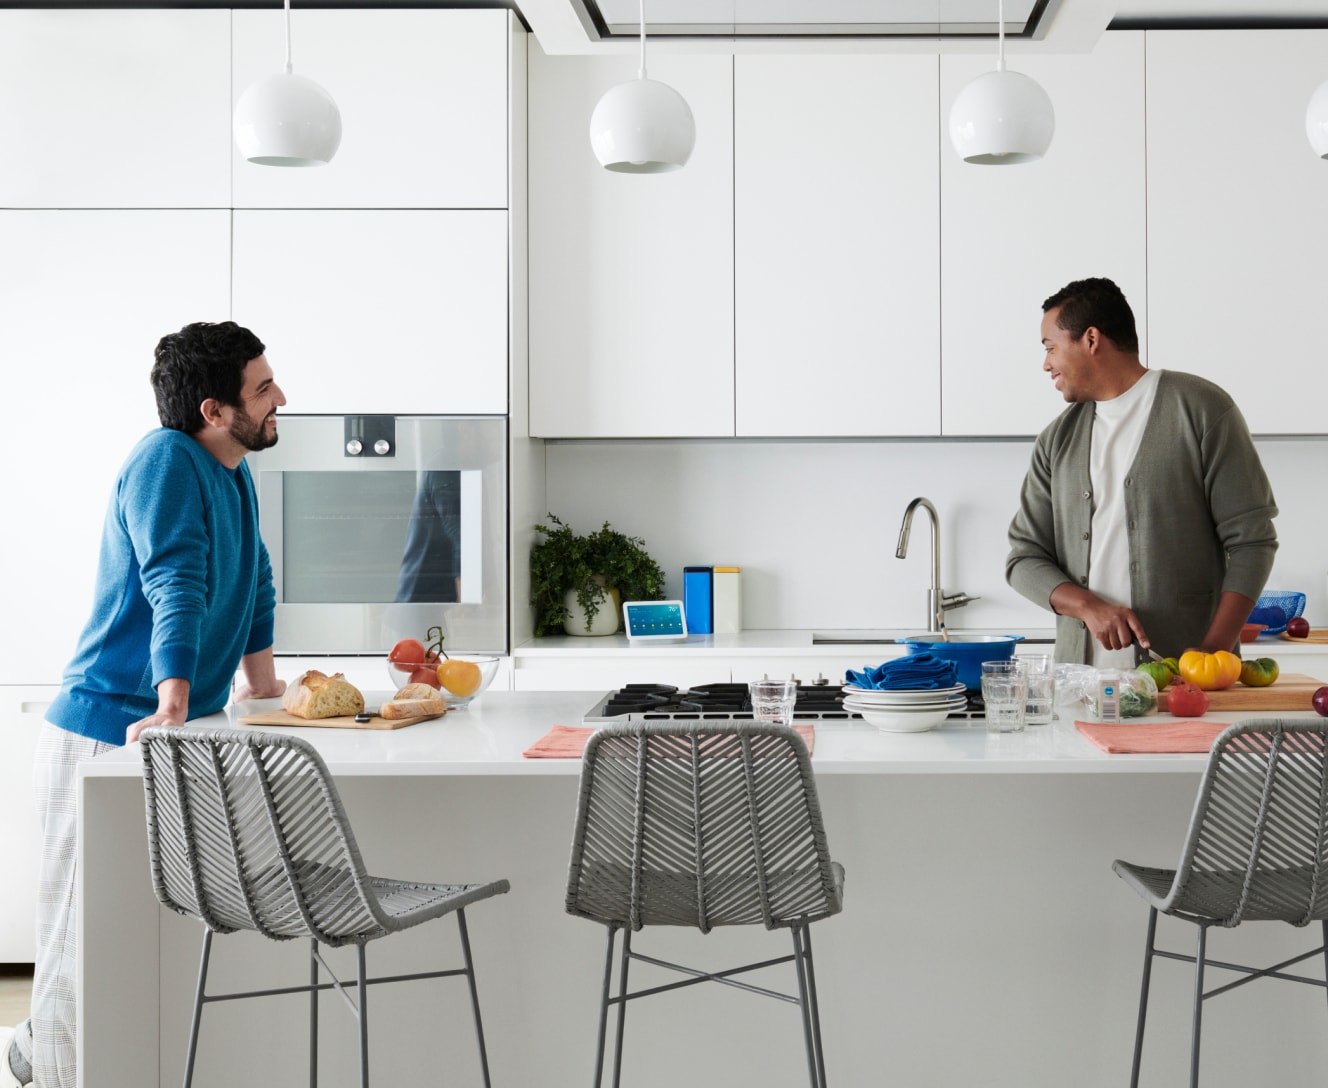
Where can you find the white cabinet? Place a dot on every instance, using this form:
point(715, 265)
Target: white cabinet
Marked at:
point(1236, 225)
point(631, 275)
point(1013, 235)
point(115, 109)
point(84, 298)
point(378, 311)
point(837, 313)
point(423, 100)
point(22, 711)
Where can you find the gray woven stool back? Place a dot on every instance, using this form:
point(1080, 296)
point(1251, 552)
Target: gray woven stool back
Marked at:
point(1257, 850)
point(246, 831)
point(702, 825)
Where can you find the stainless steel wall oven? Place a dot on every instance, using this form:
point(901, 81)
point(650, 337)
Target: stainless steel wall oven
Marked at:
point(380, 527)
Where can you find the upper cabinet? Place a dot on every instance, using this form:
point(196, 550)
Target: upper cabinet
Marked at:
point(1236, 225)
point(423, 100)
point(836, 218)
point(1013, 235)
point(631, 275)
point(378, 311)
point(115, 109)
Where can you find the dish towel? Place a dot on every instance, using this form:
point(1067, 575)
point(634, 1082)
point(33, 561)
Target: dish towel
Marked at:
point(1158, 737)
point(915, 672)
point(568, 742)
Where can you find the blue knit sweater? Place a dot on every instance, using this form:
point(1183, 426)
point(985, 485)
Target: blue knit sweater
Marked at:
point(184, 590)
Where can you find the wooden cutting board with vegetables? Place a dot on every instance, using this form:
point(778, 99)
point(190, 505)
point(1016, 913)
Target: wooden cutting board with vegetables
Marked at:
point(285, 717)
point(1291, 691)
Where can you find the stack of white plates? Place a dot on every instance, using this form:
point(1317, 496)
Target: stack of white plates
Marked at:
point(905, 710)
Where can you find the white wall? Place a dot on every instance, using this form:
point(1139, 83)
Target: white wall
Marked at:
point(814, 524)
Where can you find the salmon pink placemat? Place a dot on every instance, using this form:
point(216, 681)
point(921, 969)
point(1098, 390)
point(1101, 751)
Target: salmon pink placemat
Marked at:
point(1156, 737)
point(568, 742)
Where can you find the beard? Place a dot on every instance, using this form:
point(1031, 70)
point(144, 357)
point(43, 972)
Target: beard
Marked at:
point(252, 434)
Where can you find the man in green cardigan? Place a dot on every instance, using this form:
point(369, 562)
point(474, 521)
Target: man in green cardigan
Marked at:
point(1146, 515)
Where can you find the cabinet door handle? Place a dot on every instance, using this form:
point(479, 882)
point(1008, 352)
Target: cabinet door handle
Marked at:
point(26, 707)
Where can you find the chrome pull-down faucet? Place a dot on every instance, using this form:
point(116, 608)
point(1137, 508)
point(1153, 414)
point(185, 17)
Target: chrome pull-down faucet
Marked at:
point(937, 602)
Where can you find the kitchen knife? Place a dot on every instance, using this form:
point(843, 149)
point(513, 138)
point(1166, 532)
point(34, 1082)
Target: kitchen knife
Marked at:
point(1153, 654)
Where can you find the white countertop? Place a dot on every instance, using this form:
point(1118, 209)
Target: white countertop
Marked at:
point(488, 737)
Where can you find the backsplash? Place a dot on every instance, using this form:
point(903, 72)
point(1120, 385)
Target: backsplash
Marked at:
point(827, 558)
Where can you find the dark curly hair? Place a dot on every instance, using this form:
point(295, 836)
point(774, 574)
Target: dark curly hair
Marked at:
point(1097, 302)
point(202, 360)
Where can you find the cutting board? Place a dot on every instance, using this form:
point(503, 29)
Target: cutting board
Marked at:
point(1316, 635)
point(1292, 691)
point(285, 717)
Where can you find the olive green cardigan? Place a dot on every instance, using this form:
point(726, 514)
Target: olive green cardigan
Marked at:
point(1199, 510)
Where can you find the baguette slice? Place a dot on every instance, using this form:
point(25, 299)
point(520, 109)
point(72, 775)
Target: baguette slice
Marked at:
point(397, 709)
point(317, 695)
point(416, 691)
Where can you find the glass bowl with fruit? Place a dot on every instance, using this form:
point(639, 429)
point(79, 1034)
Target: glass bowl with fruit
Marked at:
point(458, 678)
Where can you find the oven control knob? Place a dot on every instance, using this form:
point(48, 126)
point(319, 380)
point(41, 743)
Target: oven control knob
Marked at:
point(355, 447)
point(382, 447)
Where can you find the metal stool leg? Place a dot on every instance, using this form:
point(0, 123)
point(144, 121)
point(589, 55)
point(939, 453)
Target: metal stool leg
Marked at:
point(622, 1004)
point(604, 1005)
point(474, 993)
point(1143, 998)
point(816, 1007)
point(804, 1003)
point(1198, 1006)
point(198, 1009)
point(363, 989)
point(313, 1013)
point(1324, 923)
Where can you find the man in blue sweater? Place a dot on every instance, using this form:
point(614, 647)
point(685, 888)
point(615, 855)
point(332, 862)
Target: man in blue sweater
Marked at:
point(183, 598)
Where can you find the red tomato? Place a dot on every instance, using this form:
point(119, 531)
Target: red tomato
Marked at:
point(426, 674)
point(1186, 701)
point(407, 655)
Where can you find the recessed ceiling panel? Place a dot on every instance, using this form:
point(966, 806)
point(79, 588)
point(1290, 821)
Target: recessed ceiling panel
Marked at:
point(811, 18)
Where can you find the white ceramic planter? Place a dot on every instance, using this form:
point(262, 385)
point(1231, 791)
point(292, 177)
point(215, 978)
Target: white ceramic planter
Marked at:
point(606, 620)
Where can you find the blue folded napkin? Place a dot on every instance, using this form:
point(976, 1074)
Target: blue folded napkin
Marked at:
point(912, 673)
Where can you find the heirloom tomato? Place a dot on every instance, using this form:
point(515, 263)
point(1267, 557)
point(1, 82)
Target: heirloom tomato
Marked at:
point(1211, 672)
point(1259, 672)
point(407, 655)
point(1160, 671)
point(1184, 700)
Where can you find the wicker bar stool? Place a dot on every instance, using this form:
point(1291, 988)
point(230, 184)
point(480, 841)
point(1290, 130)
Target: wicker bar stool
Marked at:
point(246, 831)
point(1257, 850)
point(702, 825)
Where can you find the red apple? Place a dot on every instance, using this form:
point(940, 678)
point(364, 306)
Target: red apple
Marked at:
point(1299, 627)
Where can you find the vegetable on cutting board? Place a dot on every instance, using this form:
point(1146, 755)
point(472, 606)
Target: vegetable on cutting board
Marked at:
point(1209, 672)
point(1259, 672)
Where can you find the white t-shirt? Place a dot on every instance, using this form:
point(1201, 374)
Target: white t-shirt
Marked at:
point(1118, 428)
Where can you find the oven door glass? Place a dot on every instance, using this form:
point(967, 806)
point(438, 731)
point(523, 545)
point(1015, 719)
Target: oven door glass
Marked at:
point(365, 538)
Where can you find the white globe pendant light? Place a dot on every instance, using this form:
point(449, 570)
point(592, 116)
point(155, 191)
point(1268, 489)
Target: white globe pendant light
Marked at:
point(642, 126)
point(1002, 117)
point(1316, 121)
point(287, 120)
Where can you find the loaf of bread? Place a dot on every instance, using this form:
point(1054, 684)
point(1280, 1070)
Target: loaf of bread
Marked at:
point(396, 709)
point(316, 695)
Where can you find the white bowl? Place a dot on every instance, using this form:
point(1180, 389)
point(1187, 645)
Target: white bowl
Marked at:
point(902, 696)
point(903, 721)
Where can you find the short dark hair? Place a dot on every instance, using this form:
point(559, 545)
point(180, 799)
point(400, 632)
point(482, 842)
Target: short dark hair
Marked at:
point(1098, 303)
point(203, 360)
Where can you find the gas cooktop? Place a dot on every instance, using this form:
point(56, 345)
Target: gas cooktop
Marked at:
point(727, 702)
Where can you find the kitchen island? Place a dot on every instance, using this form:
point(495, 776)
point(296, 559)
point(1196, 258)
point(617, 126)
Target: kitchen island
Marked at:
point(984, 939)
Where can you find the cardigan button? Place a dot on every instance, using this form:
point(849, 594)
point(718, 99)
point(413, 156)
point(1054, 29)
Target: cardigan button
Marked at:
point(1083, 580)
point(1088, 494)
point(1085, 536)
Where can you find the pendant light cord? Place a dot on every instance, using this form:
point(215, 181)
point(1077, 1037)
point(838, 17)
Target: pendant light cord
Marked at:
point(1000, 34)
point(289, 69)
point(643, 39)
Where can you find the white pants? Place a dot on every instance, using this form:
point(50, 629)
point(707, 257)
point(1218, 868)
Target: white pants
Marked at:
point(47, 1038)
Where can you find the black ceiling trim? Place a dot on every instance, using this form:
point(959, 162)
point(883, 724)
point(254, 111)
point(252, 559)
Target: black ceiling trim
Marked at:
point(1220, 22)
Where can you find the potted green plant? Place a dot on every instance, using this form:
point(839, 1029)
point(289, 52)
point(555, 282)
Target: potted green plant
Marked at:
point(572, 577)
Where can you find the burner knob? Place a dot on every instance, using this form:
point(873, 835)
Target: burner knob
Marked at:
point(820, 681)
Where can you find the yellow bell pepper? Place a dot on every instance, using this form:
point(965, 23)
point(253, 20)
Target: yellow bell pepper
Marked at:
point(1211, 672)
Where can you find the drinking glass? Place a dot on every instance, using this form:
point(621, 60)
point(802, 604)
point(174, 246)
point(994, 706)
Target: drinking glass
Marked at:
point(772, 701)
point(1003, 692)
point(1039, 672)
